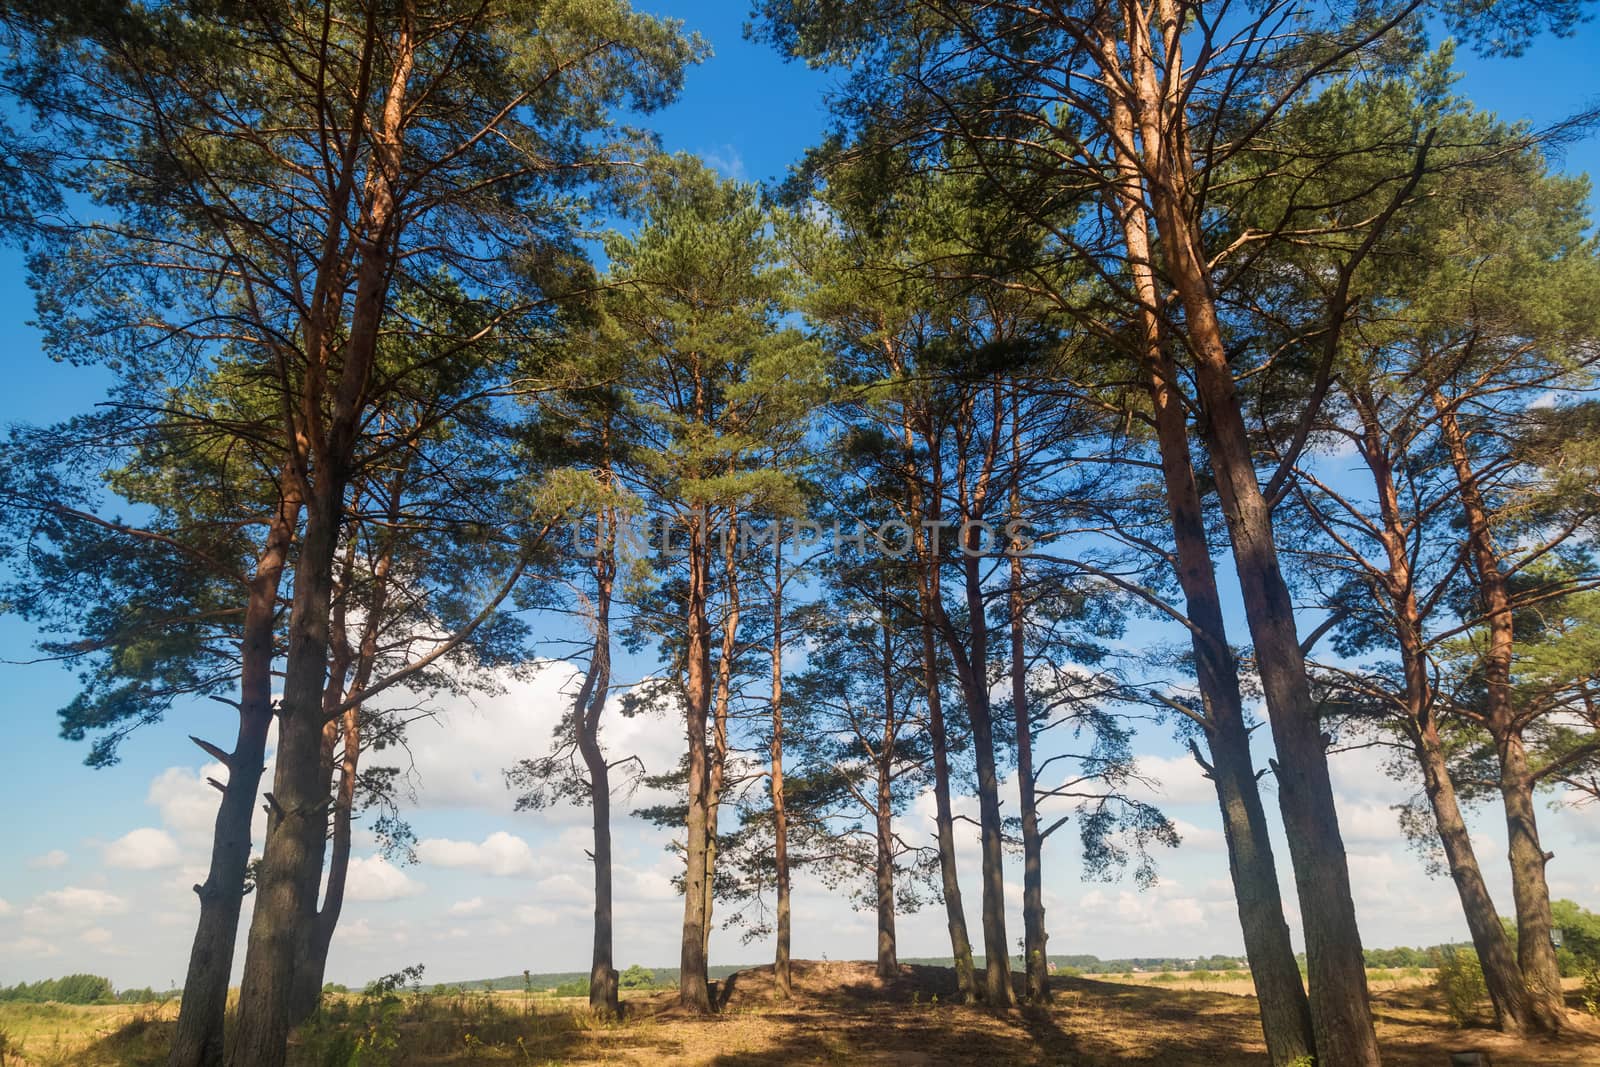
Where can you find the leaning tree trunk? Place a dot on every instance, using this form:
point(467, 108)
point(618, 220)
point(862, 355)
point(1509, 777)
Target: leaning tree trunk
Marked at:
point(929, 594)
point(973, 675)
point(944, 823)
point(197, 1040)
point(781, 977)
point(285, 897)
point(1341, 1011)
point(1280, 994)
point(1536, 954)
point(1501, 976)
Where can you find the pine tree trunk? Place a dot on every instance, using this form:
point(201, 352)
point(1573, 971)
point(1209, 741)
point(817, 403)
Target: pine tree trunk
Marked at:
point(285, 897)
point(1341, 1012)
point(693, 987)
point(883, 881)
point(1280, 994)
point(883, 811)
point(929, 594)
point(587, 708)
point(1536, 955)
point(973, 675)
point(782, 979)
point(721, 705)
point(1035, 951)
point(197, 1040)
point(944, 824)
point(1500, 974)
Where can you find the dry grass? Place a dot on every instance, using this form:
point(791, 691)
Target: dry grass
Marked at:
point(841, 1014)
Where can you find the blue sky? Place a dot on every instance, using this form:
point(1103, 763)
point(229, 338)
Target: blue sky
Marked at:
point(95, 865)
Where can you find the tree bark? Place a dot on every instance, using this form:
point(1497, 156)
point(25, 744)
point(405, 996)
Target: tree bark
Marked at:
point(311, 963)
point(1341, 1011)
point(721, 706)
point(285, 897)
point(944, 822)
point(197, 1040)
point(929, 593)
point(883, 812)
point(1500, 973)
point(1280, 995)
point(1036, 959)
point(586, 711)
point(1530, 891)
point(973, 675)
point(693, 988)
point(782, 979)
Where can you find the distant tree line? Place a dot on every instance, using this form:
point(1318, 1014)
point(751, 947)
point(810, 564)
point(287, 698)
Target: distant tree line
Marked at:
point(77, 989)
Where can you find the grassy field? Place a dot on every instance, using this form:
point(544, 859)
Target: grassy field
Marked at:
point(841, 1015)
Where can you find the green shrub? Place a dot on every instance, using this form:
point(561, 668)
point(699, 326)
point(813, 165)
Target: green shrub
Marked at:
point(1235, 976)
point(1165, 976)
point(1591, 991)
point(1460, 982)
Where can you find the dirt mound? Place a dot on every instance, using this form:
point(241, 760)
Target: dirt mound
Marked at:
point(836, 981)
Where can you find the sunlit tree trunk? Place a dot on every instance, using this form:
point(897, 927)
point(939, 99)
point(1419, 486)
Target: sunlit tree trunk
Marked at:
point(1529, 889)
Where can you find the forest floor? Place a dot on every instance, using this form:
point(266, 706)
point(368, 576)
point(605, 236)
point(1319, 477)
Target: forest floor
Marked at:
point(841, 1014)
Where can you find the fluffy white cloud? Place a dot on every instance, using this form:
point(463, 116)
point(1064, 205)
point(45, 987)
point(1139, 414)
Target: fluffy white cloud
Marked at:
point(501, 854)
point(83, 901)
point(188, 805)
point(70, 907)
point(374, 878)
point(1174, 780)
point(50, 861)
point(5, 909)
point(96, 935)
point(144, 849)
point(34, 947)
point(467, 907)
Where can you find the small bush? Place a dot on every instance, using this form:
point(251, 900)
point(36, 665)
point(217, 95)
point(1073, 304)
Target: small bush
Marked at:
point(1235, 976)
point(1460, 982)
point(1165, 976)
point(1591, 991)
point(1202, 976)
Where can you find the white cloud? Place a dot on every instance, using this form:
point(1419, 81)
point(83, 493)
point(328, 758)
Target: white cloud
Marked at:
point(1200, 838)
point(500, 854)
point(725, 160)
point(81, 900)
point(96, 935)
point(71, 906)
point(188, 805)
point(5, 909)
point(1178, 780)
point(144, 849)
point(374, 878)
point(467, 907)
point(50, 861)
point(36, 947)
